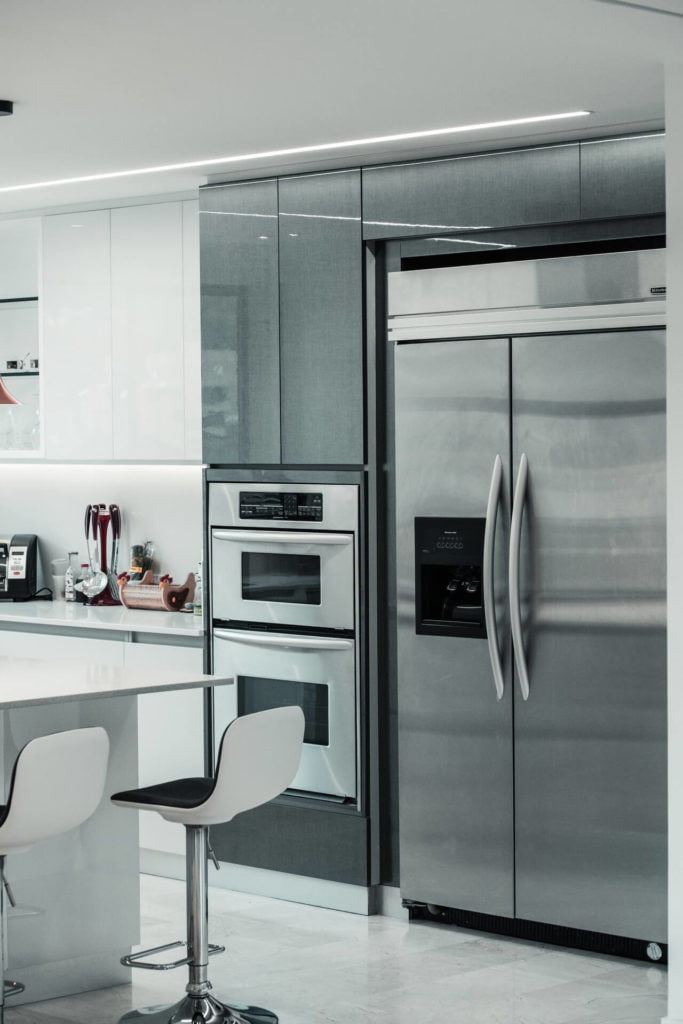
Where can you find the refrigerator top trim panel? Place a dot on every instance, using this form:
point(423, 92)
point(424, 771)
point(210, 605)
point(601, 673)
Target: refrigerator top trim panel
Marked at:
point(506, 322)
point(563, 281)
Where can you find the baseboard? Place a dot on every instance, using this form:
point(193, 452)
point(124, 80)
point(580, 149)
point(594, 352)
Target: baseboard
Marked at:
point(316, 892)
point(389, 903)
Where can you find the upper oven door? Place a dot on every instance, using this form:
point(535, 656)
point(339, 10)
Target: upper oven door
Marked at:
point(283, 578)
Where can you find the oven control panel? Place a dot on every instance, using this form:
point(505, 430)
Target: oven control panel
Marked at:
point(283, 505)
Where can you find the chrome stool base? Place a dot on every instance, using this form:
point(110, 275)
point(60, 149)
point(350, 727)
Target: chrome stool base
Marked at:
point(204, 1010)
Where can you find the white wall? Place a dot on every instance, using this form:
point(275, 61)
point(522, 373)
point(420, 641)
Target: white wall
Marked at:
point(159, 503)
point(674, 209)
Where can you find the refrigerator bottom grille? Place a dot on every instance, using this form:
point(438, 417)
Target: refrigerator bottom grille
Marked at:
point(556, 935)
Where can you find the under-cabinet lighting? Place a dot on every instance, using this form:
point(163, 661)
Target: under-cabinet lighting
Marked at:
point(323, 147)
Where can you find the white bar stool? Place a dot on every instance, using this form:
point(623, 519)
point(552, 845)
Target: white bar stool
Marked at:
point(57, 783)
point(258, 758)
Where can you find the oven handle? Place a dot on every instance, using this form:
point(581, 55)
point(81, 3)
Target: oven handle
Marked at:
point(308, 643)
point(273, 536)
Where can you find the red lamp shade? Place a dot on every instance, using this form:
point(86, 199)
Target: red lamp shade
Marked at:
point(5, 397)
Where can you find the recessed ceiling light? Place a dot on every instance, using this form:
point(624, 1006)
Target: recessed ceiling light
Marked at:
point(323, 147)
point(6, 107)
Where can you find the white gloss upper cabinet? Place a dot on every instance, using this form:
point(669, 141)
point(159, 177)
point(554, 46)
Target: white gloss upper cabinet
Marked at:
point(76, 324)
point(147, 331)
point(19, 248)
point(120, 320)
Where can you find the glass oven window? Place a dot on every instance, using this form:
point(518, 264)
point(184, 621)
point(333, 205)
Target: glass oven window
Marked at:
point(257, 694)
point(289, 579)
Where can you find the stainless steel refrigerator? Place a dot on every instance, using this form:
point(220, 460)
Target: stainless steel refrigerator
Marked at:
point(530, 466)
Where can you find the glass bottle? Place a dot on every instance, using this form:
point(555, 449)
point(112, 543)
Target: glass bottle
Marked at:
point(71, 577)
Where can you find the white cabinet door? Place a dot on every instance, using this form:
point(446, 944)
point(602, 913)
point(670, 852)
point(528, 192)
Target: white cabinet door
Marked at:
point(147, 323)
point(171, 736)
point(19, 256)
point(75, 308)
point(83, 650)
point(192, 332)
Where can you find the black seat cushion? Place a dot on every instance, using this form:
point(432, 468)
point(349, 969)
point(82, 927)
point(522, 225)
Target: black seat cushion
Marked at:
point(183, 793)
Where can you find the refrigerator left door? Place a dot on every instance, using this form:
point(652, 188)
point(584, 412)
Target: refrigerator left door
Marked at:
point(455, 735)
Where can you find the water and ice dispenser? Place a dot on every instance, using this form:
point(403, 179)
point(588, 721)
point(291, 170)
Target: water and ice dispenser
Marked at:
point(449, 598)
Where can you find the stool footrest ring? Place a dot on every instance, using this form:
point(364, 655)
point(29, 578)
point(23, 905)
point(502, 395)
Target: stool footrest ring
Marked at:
point(136, 959)
point(13, 988)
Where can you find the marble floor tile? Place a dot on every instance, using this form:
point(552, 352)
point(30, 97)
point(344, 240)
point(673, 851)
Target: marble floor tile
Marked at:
point(317, 966)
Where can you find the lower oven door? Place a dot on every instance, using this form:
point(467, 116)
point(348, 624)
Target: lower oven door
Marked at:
point(317, 673)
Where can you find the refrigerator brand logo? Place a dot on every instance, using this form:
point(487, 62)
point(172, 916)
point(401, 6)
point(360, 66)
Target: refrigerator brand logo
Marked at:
point(659, 290)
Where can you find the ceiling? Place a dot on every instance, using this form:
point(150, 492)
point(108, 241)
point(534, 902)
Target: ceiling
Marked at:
point(101, 86)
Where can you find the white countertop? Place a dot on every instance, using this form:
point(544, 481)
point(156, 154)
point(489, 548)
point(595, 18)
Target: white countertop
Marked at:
point(28, 681)
point(83, 616)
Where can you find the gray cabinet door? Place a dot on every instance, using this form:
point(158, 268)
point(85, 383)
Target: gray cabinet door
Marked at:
point(455, 736)
point(240, 345)
point(590, 742)
point(622, 177)
point(532, 186)
point(321, 319)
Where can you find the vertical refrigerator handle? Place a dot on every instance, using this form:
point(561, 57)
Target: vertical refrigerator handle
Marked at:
point(515, 547)
point(487, 574)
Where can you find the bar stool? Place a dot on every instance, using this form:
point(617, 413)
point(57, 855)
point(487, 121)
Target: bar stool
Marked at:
point(258, 758)
point(57, 783)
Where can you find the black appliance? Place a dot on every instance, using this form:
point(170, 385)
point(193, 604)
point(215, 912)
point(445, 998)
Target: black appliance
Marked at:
point(18, 567)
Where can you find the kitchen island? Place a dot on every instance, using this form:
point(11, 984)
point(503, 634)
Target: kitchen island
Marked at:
point(77, 895)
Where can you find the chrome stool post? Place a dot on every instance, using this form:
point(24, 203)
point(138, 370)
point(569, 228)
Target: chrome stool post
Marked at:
point(196, 804)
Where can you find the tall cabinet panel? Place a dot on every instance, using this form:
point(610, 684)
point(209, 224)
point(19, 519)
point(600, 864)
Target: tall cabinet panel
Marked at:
point(590, 741)
point(147, 327)
point(240, 342)
point(76, 323)
point(532, 186)
point(455, 735)
point(192, 350)
point(321, 318)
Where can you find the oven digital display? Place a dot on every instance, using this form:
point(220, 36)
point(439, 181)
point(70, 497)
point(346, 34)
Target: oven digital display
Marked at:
point(285, 505)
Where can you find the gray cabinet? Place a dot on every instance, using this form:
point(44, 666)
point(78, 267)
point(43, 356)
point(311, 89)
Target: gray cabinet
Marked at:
point(240, 312)
point(321, 319)
point(282, 321)
point(530, 186)
point(622, 177)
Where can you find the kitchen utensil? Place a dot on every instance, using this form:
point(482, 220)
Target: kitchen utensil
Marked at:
point(115, 513)
point(94, 585)
point(88, 510)
point(104, 597)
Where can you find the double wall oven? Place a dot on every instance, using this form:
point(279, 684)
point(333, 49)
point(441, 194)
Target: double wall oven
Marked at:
point(284, 607)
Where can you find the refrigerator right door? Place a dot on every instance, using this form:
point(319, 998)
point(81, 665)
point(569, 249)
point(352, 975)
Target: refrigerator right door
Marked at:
point(588, 411)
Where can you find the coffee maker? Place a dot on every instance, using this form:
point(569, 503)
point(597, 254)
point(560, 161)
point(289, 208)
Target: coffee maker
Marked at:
point(18, 567)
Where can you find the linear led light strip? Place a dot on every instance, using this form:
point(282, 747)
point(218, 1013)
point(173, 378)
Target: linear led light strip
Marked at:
point(299, 150)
